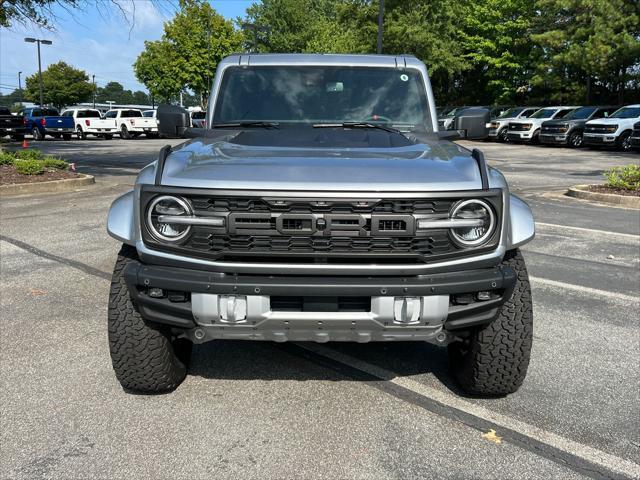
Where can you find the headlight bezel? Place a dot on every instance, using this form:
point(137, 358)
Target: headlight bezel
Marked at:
point(188, 211)
point(486, 237)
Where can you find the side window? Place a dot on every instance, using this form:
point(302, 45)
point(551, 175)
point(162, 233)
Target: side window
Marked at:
point(69, 113)
point(36, 113)
point(563, 113)
point(527, 113)
point(111, 114)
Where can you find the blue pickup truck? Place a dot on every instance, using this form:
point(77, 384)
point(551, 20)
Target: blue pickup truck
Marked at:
point(42, 121)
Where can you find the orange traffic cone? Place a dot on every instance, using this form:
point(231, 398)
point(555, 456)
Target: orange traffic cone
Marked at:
point(25, 144)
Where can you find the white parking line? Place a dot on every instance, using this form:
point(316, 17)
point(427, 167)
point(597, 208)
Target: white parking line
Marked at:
point(589, 230)
point(579, 288)
point(585, 452)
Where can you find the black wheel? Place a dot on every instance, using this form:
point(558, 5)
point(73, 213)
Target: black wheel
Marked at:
point(124, 133)
point(36, 134)
point(625, 142)
point(502, 135)
point(80, 133)
point(575, 139)
point(66, 136)
point(535, 138)
point(493, 360)
point(18, 137)
point(107, 136)
point(146, 357)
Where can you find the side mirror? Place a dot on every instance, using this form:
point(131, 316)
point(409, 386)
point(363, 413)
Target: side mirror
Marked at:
point(172, 121)
point(474, 122)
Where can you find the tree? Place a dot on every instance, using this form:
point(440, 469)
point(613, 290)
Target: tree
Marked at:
point(587, 46)
point(186, 56)
point(63, 85)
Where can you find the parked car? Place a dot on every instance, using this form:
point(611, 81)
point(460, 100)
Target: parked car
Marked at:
point(635, 137)
point(569, 129)
point(12, 125)
point(528, 130)
point(198, 119)
point(43, 121)
point(613, 131)
point(89, 121)
point(130, 123)
point(151, 114)
point(499, 126)
point(358, 222)
point(446, 121)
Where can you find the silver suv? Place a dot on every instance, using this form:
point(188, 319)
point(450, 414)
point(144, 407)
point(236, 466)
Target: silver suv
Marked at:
point(320, 203)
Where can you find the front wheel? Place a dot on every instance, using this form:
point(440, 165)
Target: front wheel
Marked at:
point(575, 139)
point(535, 138)
point(494, 358)
point(625, 142)
point(502, 135)
point(146, 357)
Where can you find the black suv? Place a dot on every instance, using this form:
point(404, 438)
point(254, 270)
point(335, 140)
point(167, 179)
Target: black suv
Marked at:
point(568, 130)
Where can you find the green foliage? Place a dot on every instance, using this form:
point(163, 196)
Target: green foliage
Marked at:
point(114, 91)
point(29, 154)
point(6, 158)
point(38, 12)
point(186, 56)
point(625, 178)
point(29, 167)
point(54, 163)
point(63, 85)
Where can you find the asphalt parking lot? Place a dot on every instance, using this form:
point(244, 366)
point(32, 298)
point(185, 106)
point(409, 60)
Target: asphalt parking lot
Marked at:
point(261, 410)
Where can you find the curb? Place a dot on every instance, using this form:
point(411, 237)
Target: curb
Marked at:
point(53, 186)
point(580, 191)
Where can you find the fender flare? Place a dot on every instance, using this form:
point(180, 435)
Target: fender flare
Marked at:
point(522, 226)
point(121, 221)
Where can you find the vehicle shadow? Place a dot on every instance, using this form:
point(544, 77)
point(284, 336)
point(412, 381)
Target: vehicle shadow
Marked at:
point(243, 360)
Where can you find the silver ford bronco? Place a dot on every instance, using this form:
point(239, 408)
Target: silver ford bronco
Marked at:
point(320, 203)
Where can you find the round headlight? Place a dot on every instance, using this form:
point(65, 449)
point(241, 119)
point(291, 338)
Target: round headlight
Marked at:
point(160, 221)
point(485, 222)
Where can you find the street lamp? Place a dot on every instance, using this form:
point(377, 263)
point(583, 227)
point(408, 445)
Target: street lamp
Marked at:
point(44, 42)
point(94, 91)
point(20, 86)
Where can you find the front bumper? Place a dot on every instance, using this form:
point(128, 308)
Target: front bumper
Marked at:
point(206, 306)
point(598, 139)
point(554, 138)
point(519, 136)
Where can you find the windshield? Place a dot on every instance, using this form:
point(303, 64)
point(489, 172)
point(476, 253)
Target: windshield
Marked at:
point(626, 112)
point(544, 113)
point(580, 113)
point(511, 113)
point(322, 94)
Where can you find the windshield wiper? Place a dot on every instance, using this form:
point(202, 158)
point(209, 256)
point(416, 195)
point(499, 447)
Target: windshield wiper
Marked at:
point(357, 125)
point(256, 124)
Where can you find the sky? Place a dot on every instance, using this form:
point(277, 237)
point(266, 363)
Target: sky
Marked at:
point(100, 42)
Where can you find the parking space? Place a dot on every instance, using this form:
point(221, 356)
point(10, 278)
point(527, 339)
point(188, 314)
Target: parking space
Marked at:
point(261, 410)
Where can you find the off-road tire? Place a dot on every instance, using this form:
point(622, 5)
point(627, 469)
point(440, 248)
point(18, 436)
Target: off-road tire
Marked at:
point(144, 356)
point(493, 360)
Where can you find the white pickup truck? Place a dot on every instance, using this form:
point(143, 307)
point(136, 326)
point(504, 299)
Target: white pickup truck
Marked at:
point(130, 123)
point(89, 121)
point(614, 130)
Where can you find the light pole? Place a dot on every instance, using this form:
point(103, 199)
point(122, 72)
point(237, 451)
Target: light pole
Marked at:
point(20, 86)
point(380, 22)
point(44, 42)
point(94, 90)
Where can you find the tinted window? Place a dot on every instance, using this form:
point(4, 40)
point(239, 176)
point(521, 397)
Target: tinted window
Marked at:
point(563, 113)
point(36, 113)
point(626, 112)
point(50, 112)
point(111, 114)
point(131, 113)
point(198, 115)
point(5, 111)
point(68, 113)
point(322, 94)
point(544, 113)
point(510, 113)
point(527, 113)
point(88, 114)
point(148, 113)
point(581, 113)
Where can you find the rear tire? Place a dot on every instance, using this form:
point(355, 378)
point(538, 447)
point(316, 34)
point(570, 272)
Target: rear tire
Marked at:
point(36, 134)
point(493, 360)
point(145, 357)
point(80, 133)
point(124, 133)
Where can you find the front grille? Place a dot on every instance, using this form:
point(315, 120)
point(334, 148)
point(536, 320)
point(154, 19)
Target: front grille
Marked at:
point(519, 127)
point(262, 229)
point(554, 129)
point(600, 129)
point(320, 304)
